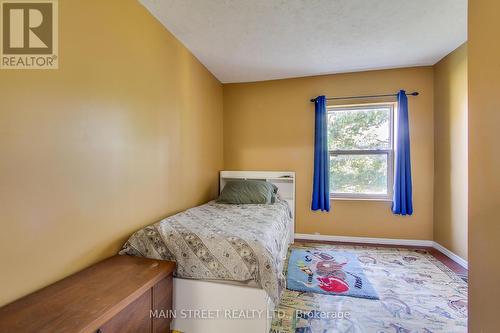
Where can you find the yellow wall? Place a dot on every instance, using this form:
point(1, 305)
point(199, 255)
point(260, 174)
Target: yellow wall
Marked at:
point(450, 152)
point(484, 165)
point(128, 130)
point(270, 126)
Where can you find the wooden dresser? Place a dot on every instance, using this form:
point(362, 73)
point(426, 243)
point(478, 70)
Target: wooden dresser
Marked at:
point(113, 296)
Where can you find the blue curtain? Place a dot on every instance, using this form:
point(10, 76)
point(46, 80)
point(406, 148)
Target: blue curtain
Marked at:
point(321, 182)
point(402, 201)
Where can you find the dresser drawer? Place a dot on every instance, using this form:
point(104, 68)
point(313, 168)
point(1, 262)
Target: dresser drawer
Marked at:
point(137, 316)
point(133, 319)
point(162, 304)
point(115, 295)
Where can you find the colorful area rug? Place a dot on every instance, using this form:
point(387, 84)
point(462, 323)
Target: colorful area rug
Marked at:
point(328, 272)
point(418, 294)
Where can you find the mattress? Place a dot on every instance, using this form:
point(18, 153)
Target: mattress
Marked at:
point(221, 242)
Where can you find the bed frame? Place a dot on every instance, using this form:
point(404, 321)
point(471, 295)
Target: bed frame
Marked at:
point(201, 306)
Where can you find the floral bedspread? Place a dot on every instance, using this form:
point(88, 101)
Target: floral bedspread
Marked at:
point(221, 242)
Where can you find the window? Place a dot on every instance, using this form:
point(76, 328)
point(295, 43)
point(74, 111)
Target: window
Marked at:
point(360, 142)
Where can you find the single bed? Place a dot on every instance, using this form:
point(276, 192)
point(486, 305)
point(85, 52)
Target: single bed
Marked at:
point(229, 257)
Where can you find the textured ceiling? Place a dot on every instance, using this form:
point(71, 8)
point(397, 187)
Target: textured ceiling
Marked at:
point(253, 40)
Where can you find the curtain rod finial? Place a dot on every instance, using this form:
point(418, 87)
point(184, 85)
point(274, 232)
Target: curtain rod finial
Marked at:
point(416, 93)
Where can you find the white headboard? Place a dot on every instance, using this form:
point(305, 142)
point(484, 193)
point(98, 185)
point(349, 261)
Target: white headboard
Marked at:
point(284, 180)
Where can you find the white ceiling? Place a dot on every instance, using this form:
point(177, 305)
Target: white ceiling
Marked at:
point(254, 40)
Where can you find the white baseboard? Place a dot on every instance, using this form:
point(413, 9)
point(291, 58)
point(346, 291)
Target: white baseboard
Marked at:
point(455, 257)
point(386, 241)
point(367, 240)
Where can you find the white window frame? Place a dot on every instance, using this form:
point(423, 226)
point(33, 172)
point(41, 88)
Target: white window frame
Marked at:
point(389, 152)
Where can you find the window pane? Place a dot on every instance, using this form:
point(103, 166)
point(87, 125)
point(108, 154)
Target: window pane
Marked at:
point(361, 128)
point(366, 174)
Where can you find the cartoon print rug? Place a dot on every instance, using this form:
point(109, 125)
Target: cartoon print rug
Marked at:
point(328, 272)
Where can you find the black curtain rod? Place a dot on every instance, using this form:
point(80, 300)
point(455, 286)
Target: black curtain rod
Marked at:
point(368, 96)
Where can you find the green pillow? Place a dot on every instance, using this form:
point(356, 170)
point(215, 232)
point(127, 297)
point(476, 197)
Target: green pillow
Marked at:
point(248, 192)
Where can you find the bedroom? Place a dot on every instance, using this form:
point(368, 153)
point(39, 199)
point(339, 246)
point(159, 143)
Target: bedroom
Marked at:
point(144, 110)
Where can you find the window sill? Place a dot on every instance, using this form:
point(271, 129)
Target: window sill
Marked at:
point(360, 199)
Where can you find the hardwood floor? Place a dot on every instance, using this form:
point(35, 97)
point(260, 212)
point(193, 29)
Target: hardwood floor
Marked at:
point(455, 267)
